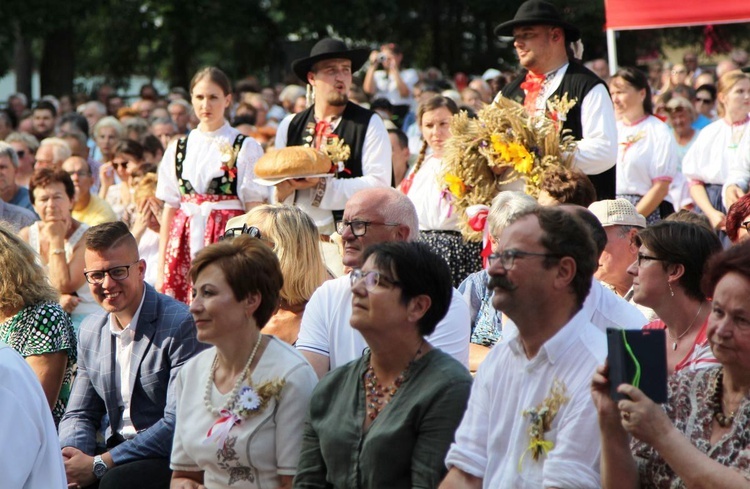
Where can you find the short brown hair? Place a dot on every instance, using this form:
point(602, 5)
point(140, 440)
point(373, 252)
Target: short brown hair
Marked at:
point(569, 186)
point(47, 176)
point(250, 267)
point(109, 235)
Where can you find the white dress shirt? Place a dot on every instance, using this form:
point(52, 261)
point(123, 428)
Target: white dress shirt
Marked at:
point(493, 437)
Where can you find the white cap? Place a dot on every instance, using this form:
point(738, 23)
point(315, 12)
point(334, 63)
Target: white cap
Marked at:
point(619, 212)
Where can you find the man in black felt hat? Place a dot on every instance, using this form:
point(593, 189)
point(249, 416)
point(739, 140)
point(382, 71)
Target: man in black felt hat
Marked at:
point(542, 40)
point(328, 70)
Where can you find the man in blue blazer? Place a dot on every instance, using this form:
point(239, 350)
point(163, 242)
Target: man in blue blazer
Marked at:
point(128, 357)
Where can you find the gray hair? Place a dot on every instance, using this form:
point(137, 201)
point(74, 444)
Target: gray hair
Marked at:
point(394, 206)
point(24, 138)
point(112, 122)
point(507, 207)
point(94, 104)
point(7, 150)
point(75, 134)
point(183, 103)
point(164, 120)
point(290, 93)
point(20, 96)
point(60, 148)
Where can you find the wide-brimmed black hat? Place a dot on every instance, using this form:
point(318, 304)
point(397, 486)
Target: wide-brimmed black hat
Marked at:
point(329, 49)
point(538, 12)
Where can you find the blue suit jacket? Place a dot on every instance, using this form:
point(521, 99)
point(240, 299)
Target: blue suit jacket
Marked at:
point(164, 340)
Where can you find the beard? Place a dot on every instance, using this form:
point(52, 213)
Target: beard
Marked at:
point(502, 283)
point(337, 99)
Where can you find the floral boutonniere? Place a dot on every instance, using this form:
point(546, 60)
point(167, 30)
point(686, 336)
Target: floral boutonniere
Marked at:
point(338, 151)
point(250, 401)
point(228, 158)
point(540, 421)
point(631, 140)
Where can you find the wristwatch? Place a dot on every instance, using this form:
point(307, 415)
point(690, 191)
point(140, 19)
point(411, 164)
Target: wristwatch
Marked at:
point(100, 467)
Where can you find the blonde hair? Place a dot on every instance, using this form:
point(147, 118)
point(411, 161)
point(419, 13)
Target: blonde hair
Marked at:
point(23, 282)
point(726, 83)
point(297, 244)
point(145, 188)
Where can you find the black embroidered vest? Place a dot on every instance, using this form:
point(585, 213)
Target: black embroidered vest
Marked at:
point(577, 82)
point(223, 185)
point(352, 129)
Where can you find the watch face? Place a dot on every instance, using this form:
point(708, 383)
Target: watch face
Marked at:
point(100, 468)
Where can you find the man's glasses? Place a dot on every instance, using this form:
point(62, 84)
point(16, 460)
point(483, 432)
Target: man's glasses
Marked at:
point(372, 279)
point(359, 228)
point(642, 257)
point(508, 257)
point(251, 231)
point(120, 273)
point(21, 153)
point(80, 173)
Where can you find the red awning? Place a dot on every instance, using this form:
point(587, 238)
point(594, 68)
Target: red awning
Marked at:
point(651, 14)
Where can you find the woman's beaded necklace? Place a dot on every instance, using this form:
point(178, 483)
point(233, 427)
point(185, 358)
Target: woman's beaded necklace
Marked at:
point(718, 401)
point(377, 396)
point(232, 399)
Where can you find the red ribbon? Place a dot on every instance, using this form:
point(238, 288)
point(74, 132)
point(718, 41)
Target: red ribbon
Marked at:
point(532, 85)
point(322, 130)
point(478, 222)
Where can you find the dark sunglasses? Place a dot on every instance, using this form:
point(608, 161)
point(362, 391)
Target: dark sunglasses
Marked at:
point(704, 100)
point(117, 165)
point(251, 231)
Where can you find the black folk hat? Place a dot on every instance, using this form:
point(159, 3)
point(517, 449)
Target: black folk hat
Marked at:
point(329, 49)
point(538, 12)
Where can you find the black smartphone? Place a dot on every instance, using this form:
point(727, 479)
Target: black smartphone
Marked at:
point(638, 357)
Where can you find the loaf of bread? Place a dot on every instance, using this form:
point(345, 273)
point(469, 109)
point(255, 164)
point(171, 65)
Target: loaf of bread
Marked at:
point(292, 162)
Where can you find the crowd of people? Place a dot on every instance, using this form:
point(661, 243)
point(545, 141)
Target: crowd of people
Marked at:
point(188, 324)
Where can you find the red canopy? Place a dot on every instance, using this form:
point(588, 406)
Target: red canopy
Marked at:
point(651, 14)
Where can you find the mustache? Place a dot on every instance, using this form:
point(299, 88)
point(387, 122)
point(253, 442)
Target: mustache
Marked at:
point(501, 282)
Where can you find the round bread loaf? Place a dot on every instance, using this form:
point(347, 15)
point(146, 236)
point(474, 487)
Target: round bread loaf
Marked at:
point(293, 161)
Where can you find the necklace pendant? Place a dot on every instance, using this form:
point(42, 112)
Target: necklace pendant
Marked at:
point(674, 345)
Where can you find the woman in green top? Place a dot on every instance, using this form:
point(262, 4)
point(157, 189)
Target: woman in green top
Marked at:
point(388, 418)
point(33, 323)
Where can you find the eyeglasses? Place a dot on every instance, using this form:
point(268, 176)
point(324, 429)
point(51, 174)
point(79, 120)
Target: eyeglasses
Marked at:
point(359, 228)
point(251, 231)
point(746, 226)
point(80, 173)
point(121, 164)
point(642, 257)
point(120, 273)
point(508, 257)
point(679, 72)
point(372, 279)
point(21, 153)
point(704, 100)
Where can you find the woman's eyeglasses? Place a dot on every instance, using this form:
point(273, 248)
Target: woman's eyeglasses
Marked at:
point(251, 231)
point(746, 226)
point(642, 257)
point(120, 273)
point(372, 279)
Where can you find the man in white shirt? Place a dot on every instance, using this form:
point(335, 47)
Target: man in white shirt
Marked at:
point(128, 356)
point(542, 39)
point(540, 275)
point(326, 339)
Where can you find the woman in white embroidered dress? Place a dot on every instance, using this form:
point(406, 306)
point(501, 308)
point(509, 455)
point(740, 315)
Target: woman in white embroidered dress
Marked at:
point(708, 161)
point(205, 179)
point(57, 240)
point(240, 405)
point(646, 154)
point(438, 222)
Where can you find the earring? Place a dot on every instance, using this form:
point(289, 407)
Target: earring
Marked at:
point(671, 292)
